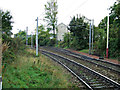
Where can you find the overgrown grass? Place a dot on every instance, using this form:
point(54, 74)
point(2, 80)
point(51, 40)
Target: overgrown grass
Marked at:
point(0, 56)
point(28, 71)
point(85, 50)
point(66, 47)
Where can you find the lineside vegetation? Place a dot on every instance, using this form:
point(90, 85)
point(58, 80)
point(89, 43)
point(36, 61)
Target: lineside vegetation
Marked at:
point(28, 71)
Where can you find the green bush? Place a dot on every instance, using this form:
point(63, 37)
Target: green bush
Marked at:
point(16, 45)
point(51, 42)
point(112, 47)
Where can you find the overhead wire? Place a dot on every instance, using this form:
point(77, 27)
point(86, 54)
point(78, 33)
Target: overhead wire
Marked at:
point(77, 8)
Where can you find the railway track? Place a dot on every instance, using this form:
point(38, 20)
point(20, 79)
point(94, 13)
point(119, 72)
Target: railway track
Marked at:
point(105, 69)
point(107, 65)
point(90, 78)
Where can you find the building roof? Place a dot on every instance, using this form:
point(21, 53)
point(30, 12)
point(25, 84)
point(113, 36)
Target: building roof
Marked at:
point(61, 24)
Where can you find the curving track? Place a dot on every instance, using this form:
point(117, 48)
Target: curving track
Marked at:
point(102, 63)
point(92, 79)
point(108, 69)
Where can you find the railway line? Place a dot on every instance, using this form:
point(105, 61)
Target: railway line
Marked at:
point(109, 65)
point(108, 69)
point(90, 78)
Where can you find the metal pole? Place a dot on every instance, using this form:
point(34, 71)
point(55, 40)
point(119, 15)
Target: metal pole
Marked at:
point(31, 41)
point(1, 49)
point(107, 36)
point(92, 33)
point(90, 38)
point(26, 36)
point(0, 82)
point(37, 39)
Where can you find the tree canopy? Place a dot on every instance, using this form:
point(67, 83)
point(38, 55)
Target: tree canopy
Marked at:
point(6, 23)
point(51, 15)
point(78, 28)
point(114, 33)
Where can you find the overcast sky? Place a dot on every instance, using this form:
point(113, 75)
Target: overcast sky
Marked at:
point(25, 12)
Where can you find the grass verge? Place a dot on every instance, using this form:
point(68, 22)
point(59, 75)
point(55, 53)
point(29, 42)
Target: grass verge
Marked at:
point(29, 71)
point(85, 50)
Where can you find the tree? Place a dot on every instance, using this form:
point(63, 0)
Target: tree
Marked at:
point(0, 24)
point(6, 26)
point(51, 15)
point(6, 23)
point(114, 33)
point(22, 35)
point(43, 36)
point(79, 30)
point(12, 45)
point(115, 30)
point(5, 29)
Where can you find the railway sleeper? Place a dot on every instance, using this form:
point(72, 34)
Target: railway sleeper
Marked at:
point(85, 57)
point(97, 84)
point(97, 74)
point(97, 64)
point(105, 87)
point(94, 82)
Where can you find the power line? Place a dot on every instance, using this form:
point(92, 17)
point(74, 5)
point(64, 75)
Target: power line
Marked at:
point(77, 8)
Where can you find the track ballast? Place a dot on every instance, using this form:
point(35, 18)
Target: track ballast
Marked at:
point(92, 79)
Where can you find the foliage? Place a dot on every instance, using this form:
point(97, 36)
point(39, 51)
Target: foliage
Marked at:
point(114, 35)
point(10, 45)
point(51, 15)
point(43, 37)
point(0, 25)
point(79, 33)
point(115, 14)
point(22, 35)
point(6, 23)
point(85, 50)
point(78, 37)
point(100, 42)
point(65, 43)
point(5, 46)
point(6, 26)
point(15, 45)
point(23, 73)
point(52, 42)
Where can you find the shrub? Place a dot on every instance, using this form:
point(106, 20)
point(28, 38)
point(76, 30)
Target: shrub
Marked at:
point(11, 48)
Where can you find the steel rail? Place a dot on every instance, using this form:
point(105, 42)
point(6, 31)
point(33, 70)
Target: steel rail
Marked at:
point(90, 70)
point(87, 85)
point(96, 63)
point(91, 60)
point(87, 57)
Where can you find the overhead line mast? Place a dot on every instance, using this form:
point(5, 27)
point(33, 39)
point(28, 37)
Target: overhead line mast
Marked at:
point(107, 35)
point(26, 36)
point(92, 33)
point(90, 38)
point(37, 38)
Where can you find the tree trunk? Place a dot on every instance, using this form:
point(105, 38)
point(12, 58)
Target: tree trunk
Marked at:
point(53, 31)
